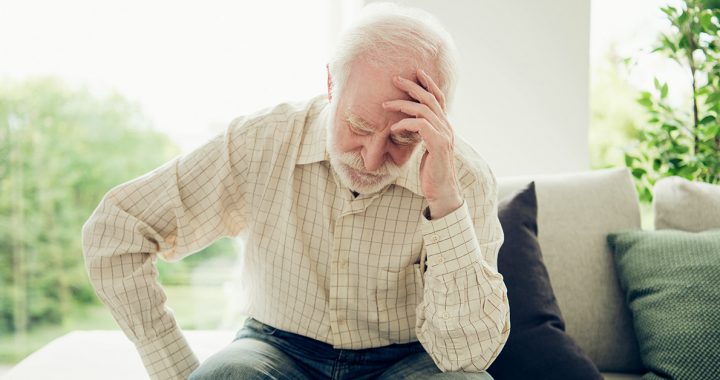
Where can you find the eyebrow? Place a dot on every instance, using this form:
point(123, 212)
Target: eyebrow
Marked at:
point(402, 138)
point(358, 123)
point(406, 138)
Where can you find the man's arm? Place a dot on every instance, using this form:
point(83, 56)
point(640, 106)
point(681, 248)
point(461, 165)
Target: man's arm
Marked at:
point(463, 321)
point(172, 212)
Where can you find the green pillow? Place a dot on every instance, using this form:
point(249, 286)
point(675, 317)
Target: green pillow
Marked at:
point(671, 281)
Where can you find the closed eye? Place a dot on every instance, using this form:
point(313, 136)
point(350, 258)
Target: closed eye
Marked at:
point(357, 131)
point(405, 138)
point(358, 126)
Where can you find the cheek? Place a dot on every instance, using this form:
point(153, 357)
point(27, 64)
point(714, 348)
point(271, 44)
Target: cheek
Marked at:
point(400, 156)
point(346, 141)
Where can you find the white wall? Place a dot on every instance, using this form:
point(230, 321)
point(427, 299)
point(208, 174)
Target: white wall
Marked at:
point(522, 100)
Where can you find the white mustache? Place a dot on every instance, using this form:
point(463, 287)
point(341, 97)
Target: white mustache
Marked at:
point(355, 161)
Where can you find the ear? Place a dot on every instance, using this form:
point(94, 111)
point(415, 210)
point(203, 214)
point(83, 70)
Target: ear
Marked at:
point(329, 83)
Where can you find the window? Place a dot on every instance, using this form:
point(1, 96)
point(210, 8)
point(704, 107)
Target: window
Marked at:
point(93, 94)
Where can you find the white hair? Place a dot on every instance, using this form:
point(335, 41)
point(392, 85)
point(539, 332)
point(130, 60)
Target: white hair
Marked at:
point(386, 33)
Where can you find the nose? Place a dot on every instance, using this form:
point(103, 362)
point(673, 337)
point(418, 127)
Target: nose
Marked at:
point(374, 154)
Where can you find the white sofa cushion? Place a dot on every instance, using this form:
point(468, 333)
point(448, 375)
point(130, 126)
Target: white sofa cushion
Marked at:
point(576, 212)
point(683, 205)
point(103, 354)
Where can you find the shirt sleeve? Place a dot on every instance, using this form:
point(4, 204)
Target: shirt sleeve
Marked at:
point(170, 212)
point(463, 321)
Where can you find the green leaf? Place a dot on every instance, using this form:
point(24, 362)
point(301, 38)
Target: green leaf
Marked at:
point(667, 43)
point(706, 21)
point(711, 4)
point(629, 160)
point(646, 195)
point(639, 172)
point(669, 11)
point(682, 19)
point(687, 171)
point(669, 127)
point(664, 91)
point(680, 149)
point(707, 119)
point(683, 42)
point(712, 131)
point(657, 164)
point(713, 98)
point(645, 101)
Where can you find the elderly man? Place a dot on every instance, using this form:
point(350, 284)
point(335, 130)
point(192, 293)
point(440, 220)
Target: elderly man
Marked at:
point(371, 230)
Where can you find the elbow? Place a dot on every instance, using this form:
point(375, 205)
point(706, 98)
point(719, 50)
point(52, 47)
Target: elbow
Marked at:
point(96, 233)
point(86, 238)
point(90, 246)
point(479, 359)
point(469, 347)
point(89, 229)
point(91, 236)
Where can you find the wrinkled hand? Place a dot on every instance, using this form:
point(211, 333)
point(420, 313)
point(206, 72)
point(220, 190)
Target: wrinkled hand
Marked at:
point(428, 119)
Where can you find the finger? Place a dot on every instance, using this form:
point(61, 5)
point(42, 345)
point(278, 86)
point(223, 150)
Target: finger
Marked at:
point(415, 91)
point(434, 140)
point(433, 88)
point(418, 110)
point(418, 93)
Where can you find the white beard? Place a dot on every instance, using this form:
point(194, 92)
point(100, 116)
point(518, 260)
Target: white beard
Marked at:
point(350, 169)
point(356, 178)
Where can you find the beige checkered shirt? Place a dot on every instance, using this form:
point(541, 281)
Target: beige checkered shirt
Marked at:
point(353, 272)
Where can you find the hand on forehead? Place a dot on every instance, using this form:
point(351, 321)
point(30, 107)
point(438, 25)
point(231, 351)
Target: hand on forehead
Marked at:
point(368, 86)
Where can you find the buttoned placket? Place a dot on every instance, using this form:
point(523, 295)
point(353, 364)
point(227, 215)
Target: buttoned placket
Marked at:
point(353, 207)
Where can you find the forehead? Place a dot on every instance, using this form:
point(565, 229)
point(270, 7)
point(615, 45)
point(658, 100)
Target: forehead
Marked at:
point(374, 81)
point(368, 86)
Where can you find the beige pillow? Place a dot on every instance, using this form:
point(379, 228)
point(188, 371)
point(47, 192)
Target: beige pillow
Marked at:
point(683, 205)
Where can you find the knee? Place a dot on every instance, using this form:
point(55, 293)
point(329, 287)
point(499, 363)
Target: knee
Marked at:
point(462, 376)
point(219, 370)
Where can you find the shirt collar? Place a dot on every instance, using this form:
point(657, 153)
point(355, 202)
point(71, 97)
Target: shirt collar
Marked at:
point(314, 146)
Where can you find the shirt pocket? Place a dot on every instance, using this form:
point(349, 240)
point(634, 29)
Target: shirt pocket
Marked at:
point(398, 295)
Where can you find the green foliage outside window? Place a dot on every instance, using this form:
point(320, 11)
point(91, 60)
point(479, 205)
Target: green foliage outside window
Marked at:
point(614, 114)
point(61, 150)
point(676, 141)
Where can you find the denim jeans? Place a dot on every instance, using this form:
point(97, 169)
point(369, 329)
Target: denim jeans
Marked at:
point(260, 351)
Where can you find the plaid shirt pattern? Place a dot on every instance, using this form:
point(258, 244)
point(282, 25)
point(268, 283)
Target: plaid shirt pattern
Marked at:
point(354, 272)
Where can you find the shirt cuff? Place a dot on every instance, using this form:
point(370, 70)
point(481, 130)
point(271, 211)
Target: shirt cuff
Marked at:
point(168, 356)
point(450, 241)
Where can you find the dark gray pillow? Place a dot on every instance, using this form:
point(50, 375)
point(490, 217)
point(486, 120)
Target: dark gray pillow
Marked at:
point(538, 347)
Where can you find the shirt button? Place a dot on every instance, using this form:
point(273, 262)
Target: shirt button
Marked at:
point(445, 315)
point(435, 239)
point(343, 264)
point(440, 259)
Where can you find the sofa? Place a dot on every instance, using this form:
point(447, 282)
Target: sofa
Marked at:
point(635, 302)
point(576, 212)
